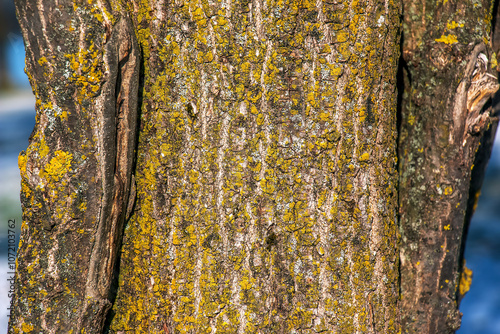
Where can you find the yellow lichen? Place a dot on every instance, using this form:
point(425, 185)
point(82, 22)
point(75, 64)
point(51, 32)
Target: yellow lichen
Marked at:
point(27, 328)
point(59, 165)
point(476, 199)
point(453, 25)
point(448, 39)
point(42, 61)
point(240, 166)
point(43, 148)
point(21, 161)
point(364, 157)
point(448, 190)
point(465, 280)
point(411, 119)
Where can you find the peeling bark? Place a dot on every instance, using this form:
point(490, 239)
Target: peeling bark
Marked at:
point(117, 114)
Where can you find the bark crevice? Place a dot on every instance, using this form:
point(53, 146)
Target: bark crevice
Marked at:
point(117, 141)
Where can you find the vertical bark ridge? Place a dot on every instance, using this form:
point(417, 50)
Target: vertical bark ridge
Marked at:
point(117, 116)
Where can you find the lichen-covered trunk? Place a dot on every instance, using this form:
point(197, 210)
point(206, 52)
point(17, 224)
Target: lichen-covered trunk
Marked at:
point(83, 66)
point(265, 198)
point(448, 78)
point(266, 171)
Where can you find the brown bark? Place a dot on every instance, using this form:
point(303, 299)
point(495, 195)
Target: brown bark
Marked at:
point(265, 176)
point(448, 80)
point(265, 196)
point(266, 171)
point(76, 173)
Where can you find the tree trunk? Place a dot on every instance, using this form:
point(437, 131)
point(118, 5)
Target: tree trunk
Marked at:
point(83, 66)
point(266, 171)
point(448, 79)
point(231, 167)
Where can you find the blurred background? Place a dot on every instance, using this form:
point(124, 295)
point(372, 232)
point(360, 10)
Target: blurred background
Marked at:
point(481, 305)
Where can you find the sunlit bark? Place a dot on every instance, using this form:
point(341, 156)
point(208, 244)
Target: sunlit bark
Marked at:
point(231, 167)
point(448, 79)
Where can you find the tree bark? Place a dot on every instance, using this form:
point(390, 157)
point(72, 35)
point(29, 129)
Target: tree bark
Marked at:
point(266, 174)
point(76, 174)
point(266, 168)
point(231, 167)
point(448, 79)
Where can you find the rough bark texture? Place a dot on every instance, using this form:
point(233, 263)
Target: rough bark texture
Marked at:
point(266, 168)
point(76, 174)
point(447, 77)
point(266, 199)
point(266, 165)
